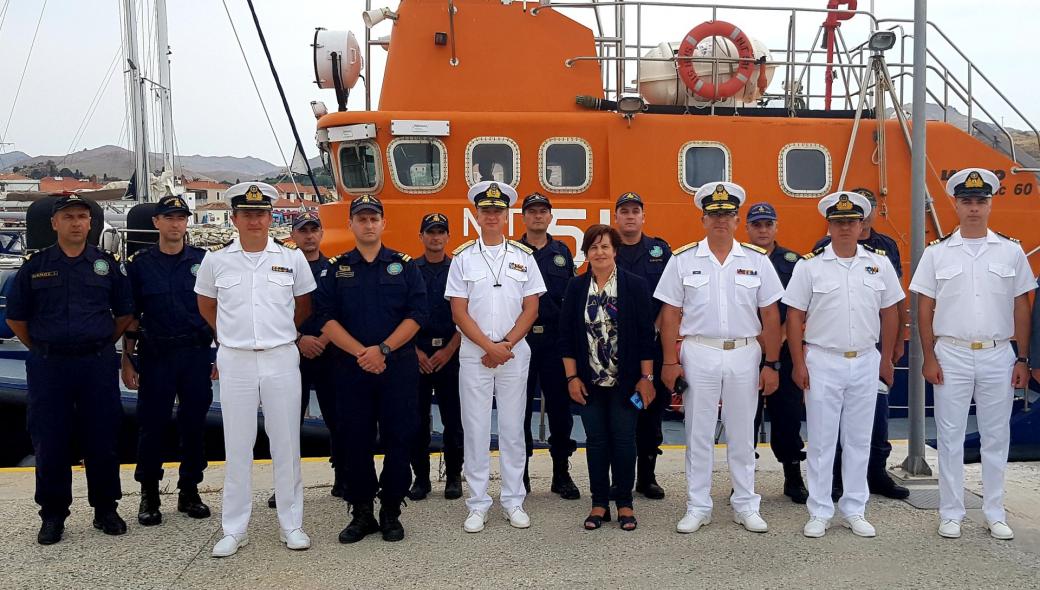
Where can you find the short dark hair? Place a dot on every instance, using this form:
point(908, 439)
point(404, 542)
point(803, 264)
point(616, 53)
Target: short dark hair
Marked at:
point(594, 232)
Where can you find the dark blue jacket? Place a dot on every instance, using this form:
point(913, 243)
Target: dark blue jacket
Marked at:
point(635, 327)
point(164, 292)
point(557, 267)
point(1034, 340)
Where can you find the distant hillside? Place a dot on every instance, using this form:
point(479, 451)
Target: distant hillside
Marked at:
point(9, 159)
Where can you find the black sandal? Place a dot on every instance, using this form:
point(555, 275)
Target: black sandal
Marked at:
point(594, 521)
point(627, 523)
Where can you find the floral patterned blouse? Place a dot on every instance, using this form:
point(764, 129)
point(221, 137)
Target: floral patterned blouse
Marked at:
point(601, 328)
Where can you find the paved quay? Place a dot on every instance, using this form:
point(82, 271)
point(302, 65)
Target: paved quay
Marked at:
point(554, 553)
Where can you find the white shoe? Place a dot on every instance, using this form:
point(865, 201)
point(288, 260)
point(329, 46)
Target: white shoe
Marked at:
point(949, 528)
point(859, 525)
point(475, 521)
point(229, 545)
point(296, 539)
point(751, 520)
point(517, 517)
point(816, 527)
point(692, 521)
point(1000, 530)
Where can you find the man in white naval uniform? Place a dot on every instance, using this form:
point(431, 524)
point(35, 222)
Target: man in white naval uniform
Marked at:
point(841, 302)
point(254, 291)
point(714, 292)
point(493, 286)
point(973, 298)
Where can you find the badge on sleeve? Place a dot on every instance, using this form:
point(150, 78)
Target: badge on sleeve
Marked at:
point(195, 269)
point(559, 260)
point(101, 267)
point(656, 251)
point(394, 268)
point(790, 257)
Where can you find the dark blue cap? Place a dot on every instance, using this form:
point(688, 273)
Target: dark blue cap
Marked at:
point(305, 218)
point(433, 220)
point(761, 211)
point(171, 204)
point(69, 200)
point(366, 203)
point(535, 199)
point(628, 197)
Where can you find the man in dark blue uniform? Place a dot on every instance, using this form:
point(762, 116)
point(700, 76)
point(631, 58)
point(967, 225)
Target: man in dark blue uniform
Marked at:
point(372, 302)
point(69, 303)
point(437, 346)
point(546, 374)
point(172, 341)
point(786, 404)
point(645, 256)
point(878, 479)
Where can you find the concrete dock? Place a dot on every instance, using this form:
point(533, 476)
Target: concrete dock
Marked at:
point(554, 553)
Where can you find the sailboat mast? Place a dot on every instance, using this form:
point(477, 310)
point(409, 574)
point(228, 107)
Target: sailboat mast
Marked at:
point(135, 88)
point(165, 103)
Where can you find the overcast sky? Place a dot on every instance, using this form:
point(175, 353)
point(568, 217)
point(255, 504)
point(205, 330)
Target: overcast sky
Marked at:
point(217, 112)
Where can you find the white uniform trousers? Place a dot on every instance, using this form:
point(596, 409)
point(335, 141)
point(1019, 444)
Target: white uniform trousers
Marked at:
point(841, 398)
point(732, 376)
point(248, 380)
point(985, 375)
point(507, 384)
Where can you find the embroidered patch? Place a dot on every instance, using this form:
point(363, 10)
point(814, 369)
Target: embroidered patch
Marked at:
point(281, 269)
point(394, 268)
point(790, 257)
point(747, 271)
point(101, 267)
point(873, 270)
point(344, 272)
point(517, 266)
point(656, 251)
point(195, 269)
point(45, 275)
point(559, 260)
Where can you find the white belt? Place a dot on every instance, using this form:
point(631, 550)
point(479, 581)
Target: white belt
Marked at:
point(849, 354)
point(972, 344)
point(720, 343)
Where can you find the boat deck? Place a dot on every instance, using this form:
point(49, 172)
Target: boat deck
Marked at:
point(554, 552)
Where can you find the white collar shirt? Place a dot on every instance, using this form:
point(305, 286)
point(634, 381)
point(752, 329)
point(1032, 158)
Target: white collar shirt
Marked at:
point(473, 274)
point(843, 302)
point(974, 293)
point(719, 300)
point(255, 298)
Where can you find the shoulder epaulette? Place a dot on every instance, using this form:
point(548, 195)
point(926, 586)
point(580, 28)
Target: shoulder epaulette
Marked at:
point(522, 246)
point(1007, 237)
point(131, 257)
point(28, 256)
point(940, 240)
point(815, 252)
point(333, 260)
point(404, 257)
point(216, 247)
point(684, 248)
point(287, 244)
point(879, 251)
point(751, 246)
point(459, 250)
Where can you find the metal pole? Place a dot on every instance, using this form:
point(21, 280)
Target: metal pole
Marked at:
point(165, 101)
point(139, 121)
point(915, 463)
point(285, 103)
point(368, 61)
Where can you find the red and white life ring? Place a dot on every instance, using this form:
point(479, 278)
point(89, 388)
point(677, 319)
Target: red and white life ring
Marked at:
point(705, 88)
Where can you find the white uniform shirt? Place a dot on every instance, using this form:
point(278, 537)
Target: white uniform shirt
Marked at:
point(719, 300)
point(255, 300)
point(843, 303)
point(974, 294)
point(473, 274)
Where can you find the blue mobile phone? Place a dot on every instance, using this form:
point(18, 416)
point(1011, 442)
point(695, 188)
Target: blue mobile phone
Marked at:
point(637, 400)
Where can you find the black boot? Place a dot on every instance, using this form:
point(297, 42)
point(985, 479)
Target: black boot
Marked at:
point(881, 483)
point(646, 481)
point(189, 502)
point(453, 487)
point(362, 524)
point(527, 476)
point(272, 502)
point(51, 531)
point(109, 522)
point(419, 490)
point(389, 521)
point(562, 483)
point(148, 512)
point(794, 487)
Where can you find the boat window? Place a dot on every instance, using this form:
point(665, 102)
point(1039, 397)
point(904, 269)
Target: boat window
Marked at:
point(565, 164)
point(493, 158)
point(359, 166)
point(805, 170)
point(701, 162)
point(418, 165)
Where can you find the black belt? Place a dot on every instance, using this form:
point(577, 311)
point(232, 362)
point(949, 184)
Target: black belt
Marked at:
point(183, 341)
point(59, 349)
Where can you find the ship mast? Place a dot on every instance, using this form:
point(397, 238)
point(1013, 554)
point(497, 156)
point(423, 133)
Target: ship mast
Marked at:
point(135, 90)
point(165, 103)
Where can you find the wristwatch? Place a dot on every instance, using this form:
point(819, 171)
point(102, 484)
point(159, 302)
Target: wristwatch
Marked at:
point(1022, 359)
point(649, 378)
point(384, 348)
point(774, 365)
